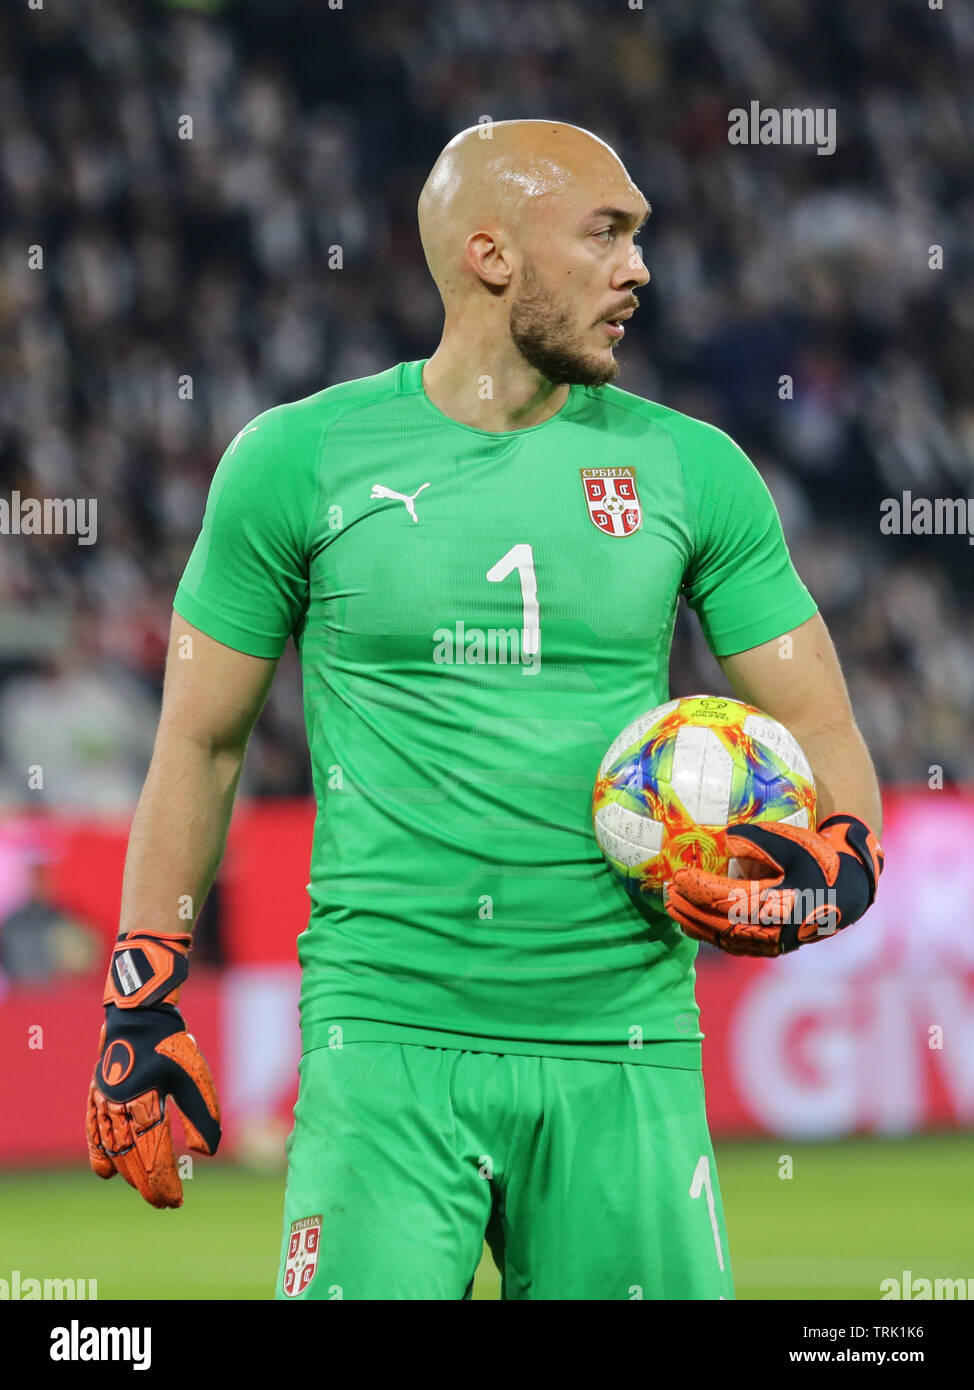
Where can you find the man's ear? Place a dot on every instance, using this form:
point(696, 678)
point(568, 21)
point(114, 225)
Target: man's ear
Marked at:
point(488, 259)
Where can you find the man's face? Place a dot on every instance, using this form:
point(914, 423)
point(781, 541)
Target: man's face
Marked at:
point(583, 273)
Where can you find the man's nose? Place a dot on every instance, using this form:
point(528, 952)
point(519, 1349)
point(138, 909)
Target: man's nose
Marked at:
point(633, 271)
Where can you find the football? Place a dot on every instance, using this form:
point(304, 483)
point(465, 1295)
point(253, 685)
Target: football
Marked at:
point(678, 776)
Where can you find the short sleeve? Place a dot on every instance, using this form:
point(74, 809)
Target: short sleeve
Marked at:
point(246, 581)
point(741, 582)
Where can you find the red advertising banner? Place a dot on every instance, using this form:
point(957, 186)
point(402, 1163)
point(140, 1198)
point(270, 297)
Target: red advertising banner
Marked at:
point(48, 1041)
point(870, 1032)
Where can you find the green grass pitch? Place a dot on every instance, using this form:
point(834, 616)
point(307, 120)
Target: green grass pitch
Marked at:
point(854, 1213)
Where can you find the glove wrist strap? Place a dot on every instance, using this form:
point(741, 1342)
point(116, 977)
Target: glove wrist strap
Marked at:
point(147, 968)
point(857, 839)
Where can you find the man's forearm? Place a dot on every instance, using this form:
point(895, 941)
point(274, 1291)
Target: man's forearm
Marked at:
point(178, 833)
point(845, 778)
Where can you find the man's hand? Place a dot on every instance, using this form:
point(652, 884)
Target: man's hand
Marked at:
point(145, 1056)
point(811, 885)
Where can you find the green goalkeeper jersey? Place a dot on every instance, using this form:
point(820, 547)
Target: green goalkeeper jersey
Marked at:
point(478, 614)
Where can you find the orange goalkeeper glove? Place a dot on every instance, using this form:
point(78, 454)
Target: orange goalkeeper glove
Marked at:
point(812, 884)
point(145, 1055)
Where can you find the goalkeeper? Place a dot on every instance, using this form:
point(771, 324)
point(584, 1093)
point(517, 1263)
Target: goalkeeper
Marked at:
point(479, 557)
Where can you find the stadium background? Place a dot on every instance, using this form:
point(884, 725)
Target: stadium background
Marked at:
point(211, 259)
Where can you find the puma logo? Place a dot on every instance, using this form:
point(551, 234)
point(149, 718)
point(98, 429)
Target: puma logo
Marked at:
point(379, 491)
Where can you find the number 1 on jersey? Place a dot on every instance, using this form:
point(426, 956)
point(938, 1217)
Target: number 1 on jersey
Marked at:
point(701, 1182)
point(521, 558)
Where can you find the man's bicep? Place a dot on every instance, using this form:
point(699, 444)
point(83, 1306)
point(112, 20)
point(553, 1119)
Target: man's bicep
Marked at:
point(213, 694)
point(794, 677)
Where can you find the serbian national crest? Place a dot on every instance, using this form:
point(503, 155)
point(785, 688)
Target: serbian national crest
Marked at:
point(613, 503)
point(302, 1255)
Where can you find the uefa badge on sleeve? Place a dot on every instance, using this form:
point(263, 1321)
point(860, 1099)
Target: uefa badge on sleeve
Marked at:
point(613, 502)
point(302, 1255)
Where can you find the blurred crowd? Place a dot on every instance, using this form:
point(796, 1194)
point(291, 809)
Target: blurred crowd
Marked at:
point(175, 178)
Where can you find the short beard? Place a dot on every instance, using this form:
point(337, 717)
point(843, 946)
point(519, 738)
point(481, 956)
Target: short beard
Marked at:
point(545, 338)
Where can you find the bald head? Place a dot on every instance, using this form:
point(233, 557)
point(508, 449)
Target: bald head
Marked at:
point(529, 231)
point(502, 178)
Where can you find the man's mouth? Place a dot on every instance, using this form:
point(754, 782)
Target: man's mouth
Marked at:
point(615, 325)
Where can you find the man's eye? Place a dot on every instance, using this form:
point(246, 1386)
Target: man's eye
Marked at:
point(610, 233)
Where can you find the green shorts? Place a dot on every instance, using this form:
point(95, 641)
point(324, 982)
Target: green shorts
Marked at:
point(589, 1180)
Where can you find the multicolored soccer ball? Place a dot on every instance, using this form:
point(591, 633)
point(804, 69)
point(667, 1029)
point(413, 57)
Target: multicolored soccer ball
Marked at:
point(677, 777)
